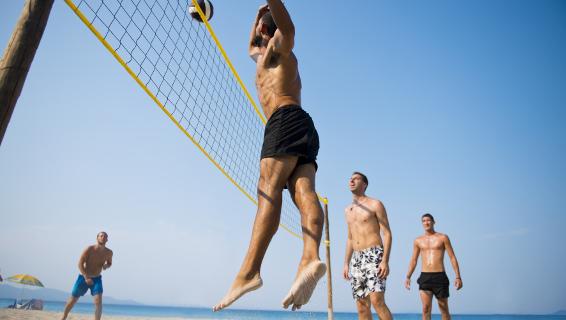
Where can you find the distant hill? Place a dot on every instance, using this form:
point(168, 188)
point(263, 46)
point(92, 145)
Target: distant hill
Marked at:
point(11, 292)
point(560, 313)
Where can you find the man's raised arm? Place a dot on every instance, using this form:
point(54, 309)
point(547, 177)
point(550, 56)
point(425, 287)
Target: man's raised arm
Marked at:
point(284, 38)
point(253, 48)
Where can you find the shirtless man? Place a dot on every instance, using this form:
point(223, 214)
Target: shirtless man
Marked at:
point(366, 263)
point(288, 158)
point(94, 259)
point(433, 280)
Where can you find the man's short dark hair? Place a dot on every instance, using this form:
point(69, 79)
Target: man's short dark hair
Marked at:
point(428, 215)
point(102, 232)
point(364, 178)
point(267, 19)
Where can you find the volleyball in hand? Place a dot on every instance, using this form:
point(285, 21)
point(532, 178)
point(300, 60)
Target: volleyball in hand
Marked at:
point(205, 6)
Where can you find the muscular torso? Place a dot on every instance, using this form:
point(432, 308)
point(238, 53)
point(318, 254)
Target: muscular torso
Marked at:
point(95, 259)
point(432, 252)
point(363, 226)
point(278, 82)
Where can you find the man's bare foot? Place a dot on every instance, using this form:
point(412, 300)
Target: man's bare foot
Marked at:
point(304, 285)
point(238, 289)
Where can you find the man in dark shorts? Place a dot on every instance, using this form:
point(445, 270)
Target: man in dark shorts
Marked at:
point(288, 158)
point(93, 260)
point(433, 279)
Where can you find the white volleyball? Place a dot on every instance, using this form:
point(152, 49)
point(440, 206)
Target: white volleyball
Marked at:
point(205, 6)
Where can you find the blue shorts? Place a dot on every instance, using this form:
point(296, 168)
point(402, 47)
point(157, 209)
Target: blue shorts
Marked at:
point(80, 287)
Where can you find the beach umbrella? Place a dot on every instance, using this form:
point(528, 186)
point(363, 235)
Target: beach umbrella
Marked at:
point(25, 279)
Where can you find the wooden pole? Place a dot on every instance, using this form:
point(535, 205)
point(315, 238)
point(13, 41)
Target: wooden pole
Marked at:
point(18, 56)
point(329, 273)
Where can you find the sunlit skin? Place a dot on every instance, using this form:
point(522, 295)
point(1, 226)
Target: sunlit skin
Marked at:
point(279, 84)
point(93, 260)
point(367, 224)
point(431, 246)
point(277, 74)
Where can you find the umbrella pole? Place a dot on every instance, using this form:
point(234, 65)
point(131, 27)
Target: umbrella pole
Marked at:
point(21, 294)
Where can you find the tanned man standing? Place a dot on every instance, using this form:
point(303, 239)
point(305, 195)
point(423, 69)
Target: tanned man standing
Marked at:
point(433, 279)
point(366, 263)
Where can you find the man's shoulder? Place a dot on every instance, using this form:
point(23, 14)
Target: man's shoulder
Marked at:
point(376, 204)
point(419, 238)
point(441, 235)
point(372, 200)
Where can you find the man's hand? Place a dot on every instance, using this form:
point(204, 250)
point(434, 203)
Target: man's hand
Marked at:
point(346, 272)
point(262, 10)
point(88, 281)
point(383, 270)
point(408, 283)
point(458, 283)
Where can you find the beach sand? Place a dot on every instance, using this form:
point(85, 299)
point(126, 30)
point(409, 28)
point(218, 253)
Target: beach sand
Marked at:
point(11, 314)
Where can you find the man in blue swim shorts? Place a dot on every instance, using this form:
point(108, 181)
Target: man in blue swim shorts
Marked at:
point(93, 260)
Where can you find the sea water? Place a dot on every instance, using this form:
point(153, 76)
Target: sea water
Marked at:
point(235, 314)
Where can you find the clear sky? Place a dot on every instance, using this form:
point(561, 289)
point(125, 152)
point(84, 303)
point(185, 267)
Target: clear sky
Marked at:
point(450, 107)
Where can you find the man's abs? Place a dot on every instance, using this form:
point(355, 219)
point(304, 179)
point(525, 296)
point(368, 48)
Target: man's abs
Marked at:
point(362, 242)
point(278, 86)
point(432, 260)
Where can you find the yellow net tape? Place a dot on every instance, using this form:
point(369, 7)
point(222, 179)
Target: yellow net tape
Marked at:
point(182, 66)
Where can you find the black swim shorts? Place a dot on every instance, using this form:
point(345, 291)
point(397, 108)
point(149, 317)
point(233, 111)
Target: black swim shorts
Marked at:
point(436, 282)
point(291, 131)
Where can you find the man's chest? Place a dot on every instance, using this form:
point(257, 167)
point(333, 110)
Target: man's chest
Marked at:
point(357, 216)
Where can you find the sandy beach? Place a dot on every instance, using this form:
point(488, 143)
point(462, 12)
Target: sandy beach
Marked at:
point(11, 314)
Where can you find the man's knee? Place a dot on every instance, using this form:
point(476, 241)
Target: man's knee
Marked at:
point(378, 300)
point(72, 300)
point(97, 300)
point(363, 307)
point(443, 305)
point(426, 308)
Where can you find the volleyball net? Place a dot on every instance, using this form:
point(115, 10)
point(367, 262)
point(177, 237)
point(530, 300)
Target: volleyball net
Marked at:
point(182, 66)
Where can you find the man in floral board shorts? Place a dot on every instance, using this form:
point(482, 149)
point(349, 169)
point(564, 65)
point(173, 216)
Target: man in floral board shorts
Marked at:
point(366, 263)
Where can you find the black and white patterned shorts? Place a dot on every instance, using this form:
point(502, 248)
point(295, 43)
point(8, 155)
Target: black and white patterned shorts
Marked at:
point(364, 267)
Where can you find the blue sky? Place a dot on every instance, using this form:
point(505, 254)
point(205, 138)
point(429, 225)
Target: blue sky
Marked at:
point(453, 108)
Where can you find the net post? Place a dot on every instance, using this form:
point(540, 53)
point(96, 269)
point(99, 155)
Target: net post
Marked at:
point(329, 270)
point(18, 56)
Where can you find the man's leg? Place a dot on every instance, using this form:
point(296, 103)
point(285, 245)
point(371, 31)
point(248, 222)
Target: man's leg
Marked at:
point(97, 306)
point(364, 309)
point(274, 173)
point(302, 189)
point(70, 304)
point(426, 298)
point(378, 302)
point(443, 306)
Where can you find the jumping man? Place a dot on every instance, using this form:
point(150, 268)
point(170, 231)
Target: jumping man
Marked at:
point(288, 158)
